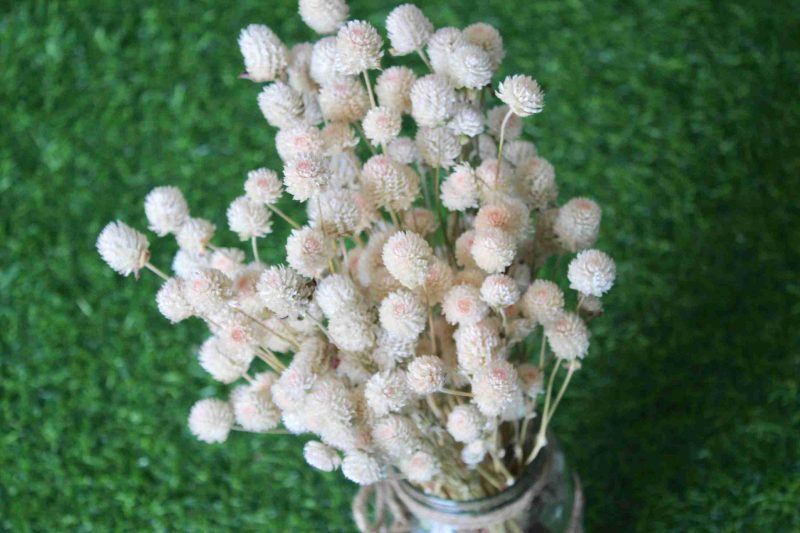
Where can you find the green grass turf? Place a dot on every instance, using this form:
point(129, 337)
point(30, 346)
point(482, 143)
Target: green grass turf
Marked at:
point(680, 117)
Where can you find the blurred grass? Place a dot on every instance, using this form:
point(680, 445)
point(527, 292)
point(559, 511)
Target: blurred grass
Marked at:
point(680, 117)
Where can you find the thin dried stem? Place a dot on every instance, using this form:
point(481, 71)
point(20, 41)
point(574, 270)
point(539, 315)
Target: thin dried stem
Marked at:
point(152, 268)
point(284, 216)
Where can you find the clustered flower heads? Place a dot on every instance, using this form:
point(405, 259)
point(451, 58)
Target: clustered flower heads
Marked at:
point(415, 329)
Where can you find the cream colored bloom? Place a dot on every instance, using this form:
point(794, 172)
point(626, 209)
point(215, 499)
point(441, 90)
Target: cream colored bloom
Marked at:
point(381, 125)
point(123, 248)
point(459, 191)
point(344, 99)
point(323, 16)
point(322, 66)
point(420, 220)
point(477, 344)
point(522, 95)
point(358, 48)
point(387, 392)
point(426, 374)
point(466, 121)
point(308, 251)
point(432, 100)
point(518, 151)
point(408, 257)
point(195, 234)
point(465, 423)
point(284, 291)
point(408, 28)
point(402, 315)
point(592, 272)
point(463, 305)
point(263, 185)
point(298, 139)
point(438, 147)
point(393, 88)
point(395, 435)
point(352, 330)
point(420, 467)
point(538, 179)
point(172, 302)
point(500, 291)
point(166, 210)
point(252, 404)
point(488, 38)
point(470, 67)
point(567, 336)
point(543, 301)
point(494, 250)
point(265, 56)
point(494, 387)
point(321, 456)
point(577, 224)
point(281, 105)
point(306, 176)
point(389, 184)
point(249, 219)
point(361, 468)
point(441, 46)
point(211, 420)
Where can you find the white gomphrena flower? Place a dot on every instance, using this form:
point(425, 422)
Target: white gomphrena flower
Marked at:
point(388, 184)
point(567, 336)
point(265, 56)
point(308, 251)
point(402, 315)
point(521, 94)
point(592, 272)
point(229, 261)
point(466, 121)
point(470, 67)
point(426, 374)
point(463, 305)
point(299, 68)
point(465, 423)
point(246, 296)
point(322, 67)
point(284, 291)
point(249, 219)
point(359, 48)
point(123, 248)
point(281, 105)
point(441, 46)
point(420, 220)
point(344, 99)
point(518, 151)
point(510, 216)
point(372, 256)
point(298, 139)
point(531, 379)
point(171, 301)
point(420, 467)
point(207, 290)
point(195, 234)
point(476, 345)
point(473, 453)
point(253, 406)
point(543, 301)
point(263, 185)
point(336, 213)
point(387, 392)
point(185, 263)
point(500, 291)
point(395, 435)
point(493, 184)
point(407, 257)
point(166, 209)
point(321, 456)
point(323, 16)
point(577, 224)
point(381, 125)
point(352, 331)
point(361, 468)
point(433, 100)
point(494, 121)
point(488, 38)
point(494, 250)
point(408, 28)
point(393, 88)
point(494, 387)
point(438, 147)
point(306, 176)
point(438, 281)
point(335, 294)
point(463, 245)
point(390, 350)
point(338, 137)
point(211, 420)
point(538, 181)
point(330, 400)
point(459, 191)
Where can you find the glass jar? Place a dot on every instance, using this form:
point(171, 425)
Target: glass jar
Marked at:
point(545, 498)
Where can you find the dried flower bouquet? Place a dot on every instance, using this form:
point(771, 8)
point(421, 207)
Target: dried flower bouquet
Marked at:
point(411, 330)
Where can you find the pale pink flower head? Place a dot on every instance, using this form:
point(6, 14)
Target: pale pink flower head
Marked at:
point(172, 302)
point(543, 301)
point(510, 216)
point(459, 191)
point(441, 46)
point(265, 56)
point(420, 467)
point(567, 336)
point(281, 105)
point(477, 344)
point(338, 137)
point(592, 272)
point(402, 315)
point(488, 38)
point(500, 291)
point(123, 248)
point(522, 95)
point(207, 290)
point(195, 234)
point(249, 219)
point(433, 100)
point(299, 68)
point(463, 246)
point(263, 185)
point(438, 281)
point(393, 88)
point(361, 468)
point(493, 184)
point(403, 150)
point(306, 176)
point(323, 16)
point(337, 212)
point(389, 184)
point(473, 453)
point(408, 28)
point(381, 125)
point(538, 180)
point(166, 210)
point(387, 392)
point(284, 291)
point(494, 121)
point(185, 263)
point(322, 66)
point(494, 250)
point(470, 67)
point(494, 387)
point(352, 331)
point(395, 435)
point(463, 305)
point(298, 139)
point(408, 257)
point(343, 99)
point(577, 224)
point(336, 293)
point(466, 121)
point(211, 420)
point(438, 147)
point(465, 423)
point(518, 151)
point(321, 456)
point(531, 379)
point(426, 374)
point(358, 48)
point(253, 407)
point(308, 251)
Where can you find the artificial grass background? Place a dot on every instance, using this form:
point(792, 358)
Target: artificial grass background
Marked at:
point(680, 117)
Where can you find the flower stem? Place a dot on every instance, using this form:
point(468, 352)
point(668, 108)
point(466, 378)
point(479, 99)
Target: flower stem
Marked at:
point(369, 88)
point(152, 268)
point(424, 59)
point(255, 249)
point(500, 145)
point(284, 216)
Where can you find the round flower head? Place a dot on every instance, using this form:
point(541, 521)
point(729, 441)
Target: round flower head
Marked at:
point(426, 374)
point(459, 191)
point(473, 453)
point(567, 336)
point(185, 263)
point(281, 105)
point(322, 66)
point(381, 125)
point(538, 179)
point(388, 184)
point(264, 54)
point(390, 350)
point(299, 63)
point(476, 345)
point(420, 467)
point(395, 435)
point(402, 315)
point(123, 248)
point(408, 28)
point(470, 67)
point(578, 224)
point(246, 296)
point(307, 251)
point(323, 16)
point(500, 291)
point(171, 301)
point(338, 137)
point(343, 99)
point(321, 456)
point(207, 290)
point(387, 392)
point(494, 250)
point(253, 406)
point(488, 38)
point(432, 100)
point(531, 379)
point(263, 186)
point(407, 257)
point(441, 46)
point(195, 234)
point(336, 213)
point(494, 387)
point(518, 151)
point(438, 147)
point(351, 331)
point(466, 121)
point(249, 219)
point(592, 272)
point(493, 184)
point(522, 95)
point(393, 88)
point(463, 246)
point(438, 281)
point(543, 301)
point(283, 291)
point(420, 220)
point(166, 210)
point(465, 423)
point(330, 400)
point(358, 48)
point(463, 305)
point(361, 468)
point(298, 139)
point(510, 216)
point(336, 293)
point(306, 175)
point(211, 420)
point(494, 121)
